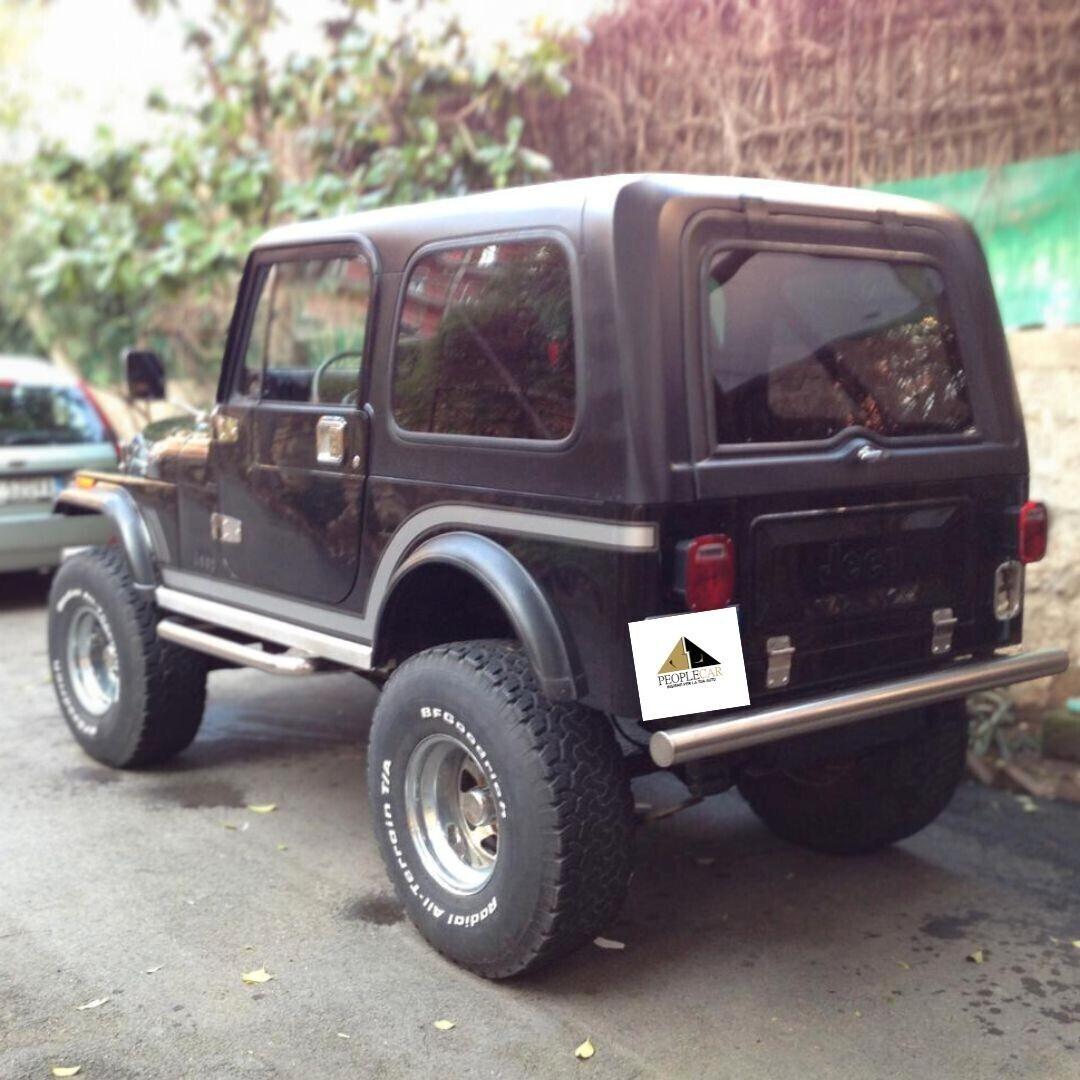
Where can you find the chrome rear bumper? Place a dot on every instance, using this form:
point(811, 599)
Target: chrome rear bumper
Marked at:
point(722, 733)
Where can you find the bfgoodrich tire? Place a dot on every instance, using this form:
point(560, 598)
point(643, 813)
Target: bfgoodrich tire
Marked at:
point(504, 819)
point(868, 800)
point(129, 698)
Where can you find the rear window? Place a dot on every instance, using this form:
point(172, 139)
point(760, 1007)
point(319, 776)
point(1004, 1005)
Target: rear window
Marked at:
point(485, 345)
point(801, 347)
point(43, 415)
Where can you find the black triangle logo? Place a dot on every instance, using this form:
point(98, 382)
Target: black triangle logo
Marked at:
point(697, 655)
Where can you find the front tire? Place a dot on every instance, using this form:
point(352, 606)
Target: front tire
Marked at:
point(868, 800)
point(129, 698)
point(504, 819)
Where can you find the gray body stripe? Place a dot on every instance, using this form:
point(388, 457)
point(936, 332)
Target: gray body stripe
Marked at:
point(639, 537)
point(620, 536)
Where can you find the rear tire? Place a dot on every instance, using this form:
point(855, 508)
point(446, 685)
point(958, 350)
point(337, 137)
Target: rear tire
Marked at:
point(129, 698)
point(866, 801)
point(504, 819)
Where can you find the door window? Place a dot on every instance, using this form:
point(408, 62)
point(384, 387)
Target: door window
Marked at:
point(307, 335)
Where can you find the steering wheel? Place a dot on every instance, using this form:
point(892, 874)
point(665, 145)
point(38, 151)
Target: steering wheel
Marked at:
point(352, 395)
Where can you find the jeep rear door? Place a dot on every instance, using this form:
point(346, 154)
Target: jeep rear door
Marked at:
point(859, 441)
point(290, 436)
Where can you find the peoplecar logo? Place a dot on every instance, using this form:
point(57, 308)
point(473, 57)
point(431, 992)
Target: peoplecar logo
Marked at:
point(688, 665)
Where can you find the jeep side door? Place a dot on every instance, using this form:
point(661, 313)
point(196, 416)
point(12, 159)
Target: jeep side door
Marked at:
point(289, 450)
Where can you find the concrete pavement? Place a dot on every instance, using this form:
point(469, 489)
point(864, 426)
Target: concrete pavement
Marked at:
point(744, 957)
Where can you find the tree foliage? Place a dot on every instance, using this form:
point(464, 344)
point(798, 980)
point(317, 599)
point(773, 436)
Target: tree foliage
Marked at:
point(143, 243)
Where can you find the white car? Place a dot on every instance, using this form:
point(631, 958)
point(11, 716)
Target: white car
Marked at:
point(50, 425)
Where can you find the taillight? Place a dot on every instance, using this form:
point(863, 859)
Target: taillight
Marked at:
point(1034, 525)
point(110, 432)
point(707, 571)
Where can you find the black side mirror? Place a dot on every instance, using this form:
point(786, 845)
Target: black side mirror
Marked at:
point(145, 375)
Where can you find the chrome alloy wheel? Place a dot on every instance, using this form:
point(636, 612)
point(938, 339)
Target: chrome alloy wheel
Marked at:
point(451, 814)
point(93, 666)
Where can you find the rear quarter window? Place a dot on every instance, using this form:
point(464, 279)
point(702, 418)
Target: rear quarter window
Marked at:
point(801, 347)
point(485, 342)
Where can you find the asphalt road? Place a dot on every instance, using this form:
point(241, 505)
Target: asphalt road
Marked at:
point(744, 957)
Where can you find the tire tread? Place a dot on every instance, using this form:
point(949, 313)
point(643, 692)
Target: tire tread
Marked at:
point(584, 771)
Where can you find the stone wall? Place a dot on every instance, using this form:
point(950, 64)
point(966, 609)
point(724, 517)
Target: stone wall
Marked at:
point(1047, 365)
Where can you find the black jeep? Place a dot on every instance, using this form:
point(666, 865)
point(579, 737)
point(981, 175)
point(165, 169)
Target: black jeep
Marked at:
point(461, 446)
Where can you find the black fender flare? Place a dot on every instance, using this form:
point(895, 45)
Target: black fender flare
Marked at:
point(536, 624)
point(119, 507)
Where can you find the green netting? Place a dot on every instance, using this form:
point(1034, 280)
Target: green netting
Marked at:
point(1028, 218)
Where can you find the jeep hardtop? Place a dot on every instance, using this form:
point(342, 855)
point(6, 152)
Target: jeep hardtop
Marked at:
point(460, 446)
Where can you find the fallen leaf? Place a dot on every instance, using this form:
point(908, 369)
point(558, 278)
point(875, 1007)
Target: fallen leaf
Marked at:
point(95, 1004)
point(607, 943)
point(259, 975)
point(1076, 944)
point(66, 1070)
point(1027, 804)
point(858, 1014)
point(904, 964)
point(585, 1050)
point(150, 971)
point(263, 808)
point(444, 1025)
point(283, 847)
point(976, 957)
point(229, 825)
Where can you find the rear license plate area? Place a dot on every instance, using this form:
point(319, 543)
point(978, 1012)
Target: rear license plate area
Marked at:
point(879, 564)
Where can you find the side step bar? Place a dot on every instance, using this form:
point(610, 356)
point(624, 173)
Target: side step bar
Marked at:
point(224, 649)
point(718, 735)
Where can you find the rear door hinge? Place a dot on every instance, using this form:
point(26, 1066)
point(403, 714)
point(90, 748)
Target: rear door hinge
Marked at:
point(780, 652)
point(944, 623)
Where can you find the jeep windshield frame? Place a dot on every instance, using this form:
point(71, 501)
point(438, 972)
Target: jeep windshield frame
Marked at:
point(821, 371)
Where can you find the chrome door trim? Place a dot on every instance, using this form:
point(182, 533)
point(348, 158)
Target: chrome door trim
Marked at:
point(721, 734)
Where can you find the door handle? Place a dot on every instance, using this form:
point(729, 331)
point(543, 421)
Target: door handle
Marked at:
point(225, 428)
point(330, 440)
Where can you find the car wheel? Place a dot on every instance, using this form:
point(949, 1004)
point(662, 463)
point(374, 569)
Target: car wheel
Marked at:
point(129, 698)
point(865, 801)
point(504, 819)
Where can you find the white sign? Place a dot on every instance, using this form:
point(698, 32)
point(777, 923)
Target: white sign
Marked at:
point(689, 663)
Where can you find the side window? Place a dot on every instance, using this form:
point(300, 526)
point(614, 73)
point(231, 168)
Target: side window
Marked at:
point(307, 336)
point(485, 345)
